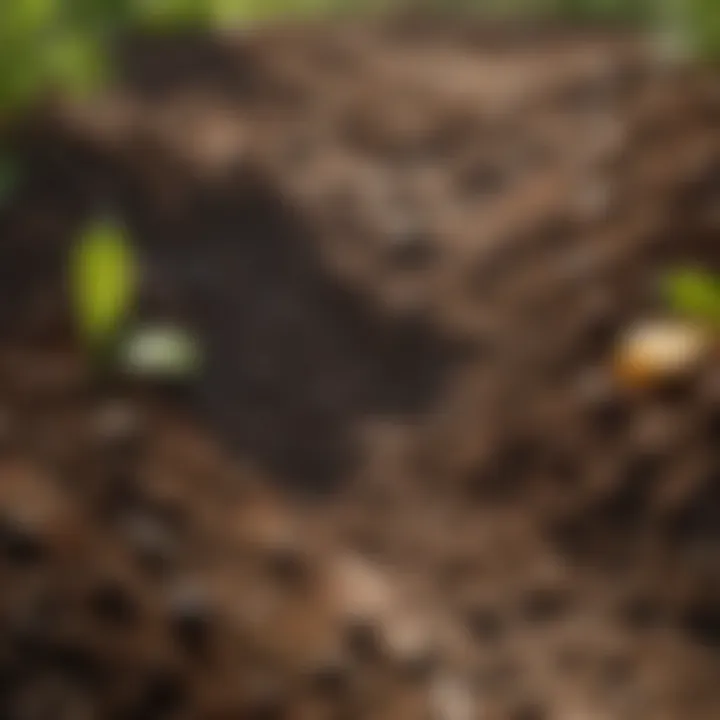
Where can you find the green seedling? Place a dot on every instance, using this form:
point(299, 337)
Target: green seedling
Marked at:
point(47, 46)
point(160, 352)
point(103, 283)
point(695, 294)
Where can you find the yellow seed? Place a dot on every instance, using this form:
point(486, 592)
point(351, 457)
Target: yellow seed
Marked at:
point(656, 352)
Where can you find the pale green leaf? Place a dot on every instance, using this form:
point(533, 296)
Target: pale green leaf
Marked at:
point(103, 281)
point(694, 293)
point(161, 352)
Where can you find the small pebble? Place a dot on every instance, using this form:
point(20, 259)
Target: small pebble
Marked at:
point(35, 517)
point(653, 353)
point(161, 353)
point(451, 699)
point(361, 591)
point(411, 643)
point(367, 599)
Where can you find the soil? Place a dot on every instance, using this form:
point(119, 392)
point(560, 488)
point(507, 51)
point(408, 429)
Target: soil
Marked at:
point(407, 484)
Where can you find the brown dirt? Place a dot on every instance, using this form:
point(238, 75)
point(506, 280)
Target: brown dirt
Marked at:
point(407, 485)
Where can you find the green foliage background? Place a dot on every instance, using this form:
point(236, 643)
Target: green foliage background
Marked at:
point(61, 43)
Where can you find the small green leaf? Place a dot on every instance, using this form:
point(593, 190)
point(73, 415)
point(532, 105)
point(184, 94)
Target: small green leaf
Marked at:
point(74, 63)
point(103, 281)
point(161, 352)
point(694, 293)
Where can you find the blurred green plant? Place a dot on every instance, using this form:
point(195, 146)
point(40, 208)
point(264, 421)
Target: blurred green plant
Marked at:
point(47, 44)
point(619, 10)
point(703, 21)
point(103, 278)
point(693, 293)
point(43, 46)
point(62, 44)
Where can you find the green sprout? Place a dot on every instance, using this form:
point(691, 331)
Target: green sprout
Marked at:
point(104, 279)
point(694, 293)
point(103, 283)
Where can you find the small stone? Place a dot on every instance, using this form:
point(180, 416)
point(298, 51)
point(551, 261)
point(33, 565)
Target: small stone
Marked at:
point(34, 515)
point(361, 591)
point(653, 353)
point(217, 146)
point(411, 643)
point(367, 599)
point(161, 353)
point(451, 699)
point(278, 545)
